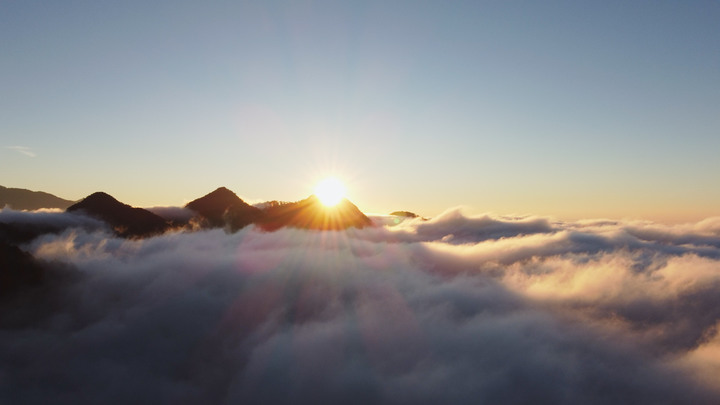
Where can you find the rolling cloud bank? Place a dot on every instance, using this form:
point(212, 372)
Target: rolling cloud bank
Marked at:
point(456, 309)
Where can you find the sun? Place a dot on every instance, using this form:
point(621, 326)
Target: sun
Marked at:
point(330, 191)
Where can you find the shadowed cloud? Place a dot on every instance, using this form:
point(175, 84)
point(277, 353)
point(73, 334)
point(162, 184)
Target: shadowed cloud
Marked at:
point(523, 310)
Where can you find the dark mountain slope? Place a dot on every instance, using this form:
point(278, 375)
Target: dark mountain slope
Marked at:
point(18, 269)
point(223, 208)
point(310, 213)
point(21, 199)
point(127, 221)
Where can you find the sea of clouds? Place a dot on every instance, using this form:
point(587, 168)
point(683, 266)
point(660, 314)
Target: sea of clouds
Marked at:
point(456, 309)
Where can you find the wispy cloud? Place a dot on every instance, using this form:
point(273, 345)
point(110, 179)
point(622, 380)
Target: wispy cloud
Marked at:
point(22, 149)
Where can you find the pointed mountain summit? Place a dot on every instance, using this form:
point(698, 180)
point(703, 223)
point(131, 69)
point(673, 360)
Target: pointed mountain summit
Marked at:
point(223, 207)
point(127, 221)
point(310, 213)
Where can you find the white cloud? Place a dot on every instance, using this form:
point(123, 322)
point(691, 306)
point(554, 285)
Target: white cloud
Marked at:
point(454, 310)
point(23, 150)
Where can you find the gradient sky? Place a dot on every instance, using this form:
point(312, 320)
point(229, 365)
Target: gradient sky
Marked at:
point(564, 108)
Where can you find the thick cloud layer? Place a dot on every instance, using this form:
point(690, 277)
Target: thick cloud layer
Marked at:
point(23, 226)
point(452, 310)
point(48, 218)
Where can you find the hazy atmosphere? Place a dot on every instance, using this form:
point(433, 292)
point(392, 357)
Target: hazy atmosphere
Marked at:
point(562, 108)
point(359, 202)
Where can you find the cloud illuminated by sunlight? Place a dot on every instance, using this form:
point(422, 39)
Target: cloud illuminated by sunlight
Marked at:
point(454, 309)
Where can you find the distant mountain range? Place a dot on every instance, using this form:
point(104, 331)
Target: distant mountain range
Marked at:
point(21, 199)
point(219, 209)
point(222, 209)
point(125, 220)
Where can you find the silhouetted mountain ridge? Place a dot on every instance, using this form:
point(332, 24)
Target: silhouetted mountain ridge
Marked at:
point(126, 221)
point(19, 270)
point(22, 199)
point(222, 208)
point(310, 213)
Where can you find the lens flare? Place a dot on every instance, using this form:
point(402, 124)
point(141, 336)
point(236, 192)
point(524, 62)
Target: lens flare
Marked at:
point(330, 191)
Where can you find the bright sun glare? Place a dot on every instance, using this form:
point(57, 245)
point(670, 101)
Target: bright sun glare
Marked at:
point(330, 191)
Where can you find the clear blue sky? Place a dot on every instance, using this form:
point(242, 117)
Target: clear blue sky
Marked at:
point(569, 108)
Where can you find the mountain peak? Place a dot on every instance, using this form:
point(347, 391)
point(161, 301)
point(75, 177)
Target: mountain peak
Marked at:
point(310, 213)
point(223, 207)
point(98, 197)
point(127, 221)
point(223, 191)
point(221, 196)
point(97, 202)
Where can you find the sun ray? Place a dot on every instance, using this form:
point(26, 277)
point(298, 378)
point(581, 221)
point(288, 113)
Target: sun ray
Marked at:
point(330, 191)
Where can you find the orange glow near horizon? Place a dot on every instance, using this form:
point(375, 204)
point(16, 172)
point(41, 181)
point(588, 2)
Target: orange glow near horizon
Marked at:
point(330, 191)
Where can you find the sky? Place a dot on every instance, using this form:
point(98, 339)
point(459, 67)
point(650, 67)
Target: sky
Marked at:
point(570, 109)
